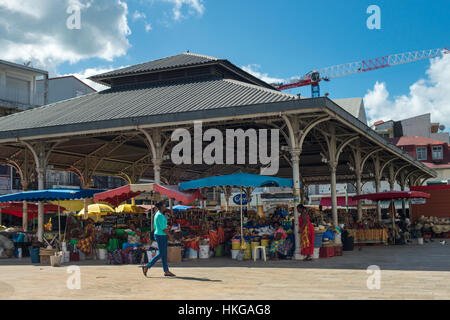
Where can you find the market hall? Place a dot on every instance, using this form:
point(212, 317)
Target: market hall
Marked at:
point(126, 131)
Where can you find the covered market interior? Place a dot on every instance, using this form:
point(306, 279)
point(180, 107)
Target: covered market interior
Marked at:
point(128, 130)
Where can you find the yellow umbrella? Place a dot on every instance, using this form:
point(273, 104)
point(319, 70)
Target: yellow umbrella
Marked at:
point(97, 209)
point(70, 205)
point(129, 208)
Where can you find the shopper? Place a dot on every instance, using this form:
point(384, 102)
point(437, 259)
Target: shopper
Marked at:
point(161, 237)
point(306, 233)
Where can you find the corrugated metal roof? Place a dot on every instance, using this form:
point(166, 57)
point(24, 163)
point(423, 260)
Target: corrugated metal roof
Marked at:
point(23, 67)
point(354, 106)
point(180, 60)
point(134, 102)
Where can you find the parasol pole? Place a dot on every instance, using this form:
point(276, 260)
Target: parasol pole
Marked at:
point(242, 227)
point(59, 222)
point(393, 220)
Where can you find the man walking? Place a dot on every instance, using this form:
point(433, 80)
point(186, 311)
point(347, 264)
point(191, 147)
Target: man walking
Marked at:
point(161, 237)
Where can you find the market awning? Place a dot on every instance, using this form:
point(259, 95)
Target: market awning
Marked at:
point(392, 195)
point(182, 208)
point(50, 194)
point(31, 207)
point(116, 196)
point(326, 202)
point(19, 214)
point(240, 179)
point(174, 192)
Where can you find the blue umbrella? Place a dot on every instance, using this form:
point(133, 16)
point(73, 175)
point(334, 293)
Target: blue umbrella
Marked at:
point(50, 195)
point(181, 208)
point(240, 179)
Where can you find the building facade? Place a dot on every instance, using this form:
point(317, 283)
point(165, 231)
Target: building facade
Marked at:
point(18, 92)
point(63, 88)
point(419, 126)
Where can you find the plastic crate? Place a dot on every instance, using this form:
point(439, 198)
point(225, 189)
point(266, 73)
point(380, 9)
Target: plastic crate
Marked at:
point(318, 237)
point(338, 251)
point(326, 252)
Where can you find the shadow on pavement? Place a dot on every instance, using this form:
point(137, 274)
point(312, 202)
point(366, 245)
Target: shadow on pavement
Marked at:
point(196, 279)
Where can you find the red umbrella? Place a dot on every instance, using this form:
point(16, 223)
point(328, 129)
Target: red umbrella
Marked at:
point(173, 192)
point(119, 195)
point(32, 207)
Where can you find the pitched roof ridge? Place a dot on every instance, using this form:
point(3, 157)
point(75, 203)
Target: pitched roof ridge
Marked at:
point(420, 138)
point(201, 56)
point(250, 85)
point(152, 61)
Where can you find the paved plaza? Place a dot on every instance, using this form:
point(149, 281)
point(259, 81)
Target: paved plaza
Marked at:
point(407, 272)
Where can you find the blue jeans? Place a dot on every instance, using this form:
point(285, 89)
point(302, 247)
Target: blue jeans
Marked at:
point(162, 247)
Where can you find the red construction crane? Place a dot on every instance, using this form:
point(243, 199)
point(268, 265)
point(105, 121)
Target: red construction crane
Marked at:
point(314, 77)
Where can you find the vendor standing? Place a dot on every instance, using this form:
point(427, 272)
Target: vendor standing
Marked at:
point(87, 239)
point(161, 237)
point(306, 233)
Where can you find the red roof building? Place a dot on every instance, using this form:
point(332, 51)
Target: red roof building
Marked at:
point(433, 153)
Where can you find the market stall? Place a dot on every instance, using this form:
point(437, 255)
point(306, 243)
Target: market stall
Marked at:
point(381, 235)
point(245, 183)
point(51, 233)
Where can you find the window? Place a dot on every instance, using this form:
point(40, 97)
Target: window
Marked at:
point(421, 153)
point(437, 153)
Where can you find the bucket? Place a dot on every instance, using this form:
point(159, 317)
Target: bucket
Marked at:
point(102, 254)
point(218, 251)
point(55, 261)
point(204, 252)
point(235, 244)
point(66, 257)
point(74, 256)
point(338, 238)
point(248, 252)
point(192, 254)
point(420, 241)
point(316, 253)
point(265, 242)
point(234, 254)
point(34, 254)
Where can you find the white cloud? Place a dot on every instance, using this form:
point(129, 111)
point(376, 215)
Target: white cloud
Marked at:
point(85, 74)
point(36, 30)
point(139, 15)
point(192, 7)
point(148, 27)
point(253, 70)
point(430, 95)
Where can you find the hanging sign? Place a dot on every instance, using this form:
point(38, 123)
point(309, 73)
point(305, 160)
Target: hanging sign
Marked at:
point(237, 199)
point(418, 200)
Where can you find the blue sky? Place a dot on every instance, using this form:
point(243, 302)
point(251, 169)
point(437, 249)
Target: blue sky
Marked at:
point(281, 39)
